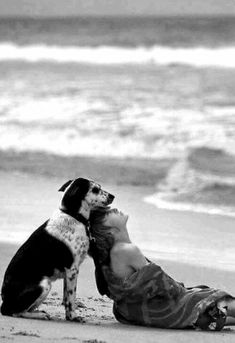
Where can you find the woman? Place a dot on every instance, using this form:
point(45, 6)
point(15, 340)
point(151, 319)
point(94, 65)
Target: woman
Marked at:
point(142, 292)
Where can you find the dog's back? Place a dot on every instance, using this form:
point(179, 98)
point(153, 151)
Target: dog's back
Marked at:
point(38, 257)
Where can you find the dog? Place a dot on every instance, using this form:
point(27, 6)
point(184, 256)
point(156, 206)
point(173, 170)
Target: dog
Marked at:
point(54, 250)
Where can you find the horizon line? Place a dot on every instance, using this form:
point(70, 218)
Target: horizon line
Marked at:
point(90, 15)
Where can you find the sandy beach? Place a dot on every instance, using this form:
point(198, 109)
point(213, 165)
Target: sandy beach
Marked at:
point(28, 197)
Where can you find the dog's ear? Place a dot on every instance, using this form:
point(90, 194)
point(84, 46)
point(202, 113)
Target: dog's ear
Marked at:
point(63, 188)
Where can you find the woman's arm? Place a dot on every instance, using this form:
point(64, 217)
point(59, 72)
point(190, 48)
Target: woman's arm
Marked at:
point(135, 258)
point(126, 258)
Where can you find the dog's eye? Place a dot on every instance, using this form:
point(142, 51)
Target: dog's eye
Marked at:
point(96, 189)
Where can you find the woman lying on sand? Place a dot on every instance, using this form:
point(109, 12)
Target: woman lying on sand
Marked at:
point(142, 292)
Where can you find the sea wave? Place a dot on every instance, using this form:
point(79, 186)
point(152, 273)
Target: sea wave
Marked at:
point(159, 202)
point(203, 181)
point(53, 125)
point(223, 57)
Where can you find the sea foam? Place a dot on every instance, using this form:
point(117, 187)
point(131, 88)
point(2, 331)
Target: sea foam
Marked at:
point(223, 57)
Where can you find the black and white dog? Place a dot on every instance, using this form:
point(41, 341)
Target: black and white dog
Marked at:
point(55, 250)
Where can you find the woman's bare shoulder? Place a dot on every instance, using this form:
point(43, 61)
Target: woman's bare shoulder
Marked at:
point(128, 252)
point(126, 258)
point(124, 248)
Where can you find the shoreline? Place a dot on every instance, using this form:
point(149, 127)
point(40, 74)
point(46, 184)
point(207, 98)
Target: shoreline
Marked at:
point(137, 172)
point(190, 237)
point(189, 207)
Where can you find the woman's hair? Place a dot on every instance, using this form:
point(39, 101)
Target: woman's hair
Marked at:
point(101, 242)
point(102, 239)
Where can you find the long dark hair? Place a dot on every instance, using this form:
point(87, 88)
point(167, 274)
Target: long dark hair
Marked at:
point(101, 242)
point(101, 234)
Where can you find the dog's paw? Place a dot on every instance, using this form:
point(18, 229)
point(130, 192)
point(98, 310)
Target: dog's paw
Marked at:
point(45, 315)
point(79, 319)
point(74, 318)
point(33, 315)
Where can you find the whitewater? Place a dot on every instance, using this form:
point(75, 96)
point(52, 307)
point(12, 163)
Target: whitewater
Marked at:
point(223, 57)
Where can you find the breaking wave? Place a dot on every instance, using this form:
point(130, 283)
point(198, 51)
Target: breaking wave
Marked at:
point(223, 57)
point(203, 182)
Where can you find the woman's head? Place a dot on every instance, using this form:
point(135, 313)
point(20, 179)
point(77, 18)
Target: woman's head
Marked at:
point(116, 219)
point(106, 224)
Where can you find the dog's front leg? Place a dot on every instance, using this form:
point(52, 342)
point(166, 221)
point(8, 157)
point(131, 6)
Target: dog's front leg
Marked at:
point(70, 286)
point(64, 290)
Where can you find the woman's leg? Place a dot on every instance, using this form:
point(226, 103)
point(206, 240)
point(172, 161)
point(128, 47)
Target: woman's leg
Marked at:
point(230, 321)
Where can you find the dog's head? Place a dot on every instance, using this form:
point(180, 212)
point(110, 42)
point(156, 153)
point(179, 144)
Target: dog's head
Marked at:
point(80, 191)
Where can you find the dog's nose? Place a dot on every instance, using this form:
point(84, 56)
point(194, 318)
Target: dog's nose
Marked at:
point(110, 198)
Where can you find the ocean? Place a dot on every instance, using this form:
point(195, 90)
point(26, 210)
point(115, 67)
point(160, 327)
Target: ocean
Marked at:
point(155, 88)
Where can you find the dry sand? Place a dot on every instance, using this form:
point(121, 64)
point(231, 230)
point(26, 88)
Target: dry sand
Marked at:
point(28, 199)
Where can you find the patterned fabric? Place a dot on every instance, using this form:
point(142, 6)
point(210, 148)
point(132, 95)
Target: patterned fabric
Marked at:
point(150, 297)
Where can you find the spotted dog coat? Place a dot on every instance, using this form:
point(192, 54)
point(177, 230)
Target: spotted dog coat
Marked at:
point(55, 250)
point(73, 233)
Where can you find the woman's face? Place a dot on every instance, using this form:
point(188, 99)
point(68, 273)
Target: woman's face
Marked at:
point(116, 218)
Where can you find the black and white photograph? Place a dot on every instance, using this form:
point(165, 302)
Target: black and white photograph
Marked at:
point(117, 171)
